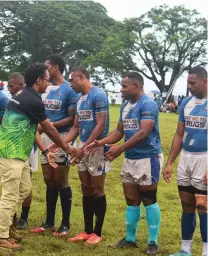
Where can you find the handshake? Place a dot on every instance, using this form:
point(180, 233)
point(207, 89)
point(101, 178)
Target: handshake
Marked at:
point(76, 153)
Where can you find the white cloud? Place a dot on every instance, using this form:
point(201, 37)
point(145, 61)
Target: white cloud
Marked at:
point(120, 10)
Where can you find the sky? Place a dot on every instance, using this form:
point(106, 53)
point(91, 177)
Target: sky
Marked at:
point(120, 10)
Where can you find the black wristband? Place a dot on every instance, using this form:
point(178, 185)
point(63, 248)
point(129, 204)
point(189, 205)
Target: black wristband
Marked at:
point(45, 152)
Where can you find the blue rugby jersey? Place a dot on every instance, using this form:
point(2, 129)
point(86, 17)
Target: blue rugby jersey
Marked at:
point(193, 113)
point(57, 100)
point(87, 106)
point(130, 116)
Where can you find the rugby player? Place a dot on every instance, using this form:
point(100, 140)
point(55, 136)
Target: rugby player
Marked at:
point(143, 159)
point(59, 101)
point(190, 141)
point(91, 123)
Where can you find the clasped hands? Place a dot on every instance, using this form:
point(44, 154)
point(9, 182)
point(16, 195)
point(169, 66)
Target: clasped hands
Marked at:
point(78, 153)
point(75, 153)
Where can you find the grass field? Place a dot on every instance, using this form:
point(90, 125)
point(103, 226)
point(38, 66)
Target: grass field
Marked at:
point(114, 226)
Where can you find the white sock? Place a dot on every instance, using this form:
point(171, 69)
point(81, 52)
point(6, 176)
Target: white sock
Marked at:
point(186, 246)
point(205, 249)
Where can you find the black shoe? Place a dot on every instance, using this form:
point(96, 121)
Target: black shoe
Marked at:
point(62, 231)
point(124, 244)
point(21, 224)
point(152, 248)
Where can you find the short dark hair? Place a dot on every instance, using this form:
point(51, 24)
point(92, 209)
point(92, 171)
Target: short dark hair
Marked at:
point(133, 75)
point(199, 71)
point(56, 59)
point(33, 72)
point(82, 70)
point(16, 75)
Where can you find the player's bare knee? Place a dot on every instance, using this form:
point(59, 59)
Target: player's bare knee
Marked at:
point(201, 203)
point(86, 189)
point(97, 190)
point(187, 206)
point(60, 184)
point(201, 208)
point(131, 200)
point(49, 182)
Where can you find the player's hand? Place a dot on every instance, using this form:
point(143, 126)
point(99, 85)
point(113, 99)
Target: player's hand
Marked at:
point(92, 147)
point(54, 148)
point(205, 178)
point(72, 151)
point(76, 159)
point(50, 158)
point(167, 172)
point(114, 152)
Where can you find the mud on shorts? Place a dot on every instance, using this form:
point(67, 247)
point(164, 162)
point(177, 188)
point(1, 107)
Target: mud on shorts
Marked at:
point(94, 163)
point(143, 172)
point(192, 167)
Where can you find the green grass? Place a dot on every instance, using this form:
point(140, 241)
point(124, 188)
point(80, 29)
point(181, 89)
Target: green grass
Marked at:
point(114, 226)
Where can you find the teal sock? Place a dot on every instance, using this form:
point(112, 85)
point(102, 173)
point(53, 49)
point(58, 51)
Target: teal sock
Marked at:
point(153, 221)
point(132, 218)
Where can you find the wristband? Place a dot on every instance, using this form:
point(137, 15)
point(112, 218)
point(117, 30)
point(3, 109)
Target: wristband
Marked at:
point(45, 152)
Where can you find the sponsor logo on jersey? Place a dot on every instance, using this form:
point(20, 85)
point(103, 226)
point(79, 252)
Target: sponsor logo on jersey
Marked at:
point(52, 104)
point(85, 115)
point(196, 122)
point(130, 124)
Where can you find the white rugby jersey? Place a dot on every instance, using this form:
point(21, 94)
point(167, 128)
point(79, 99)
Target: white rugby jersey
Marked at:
point(193, 113)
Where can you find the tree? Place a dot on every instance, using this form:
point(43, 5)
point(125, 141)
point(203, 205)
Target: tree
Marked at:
point(31, 30)
point(163, 41)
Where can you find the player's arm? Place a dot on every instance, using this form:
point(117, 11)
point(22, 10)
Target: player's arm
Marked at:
point(53, 134)
point(65, 122)
point(101, 119)
point(74, 131)
point(149, 115)
point(176, 144)
point(114, 137)
point(146, 127)
point(49, 155)
point(39, 142)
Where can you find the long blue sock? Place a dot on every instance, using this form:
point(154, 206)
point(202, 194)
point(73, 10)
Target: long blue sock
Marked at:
point(153, 221)
point(133, 214)
point(188, 225)
point(203, 226)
